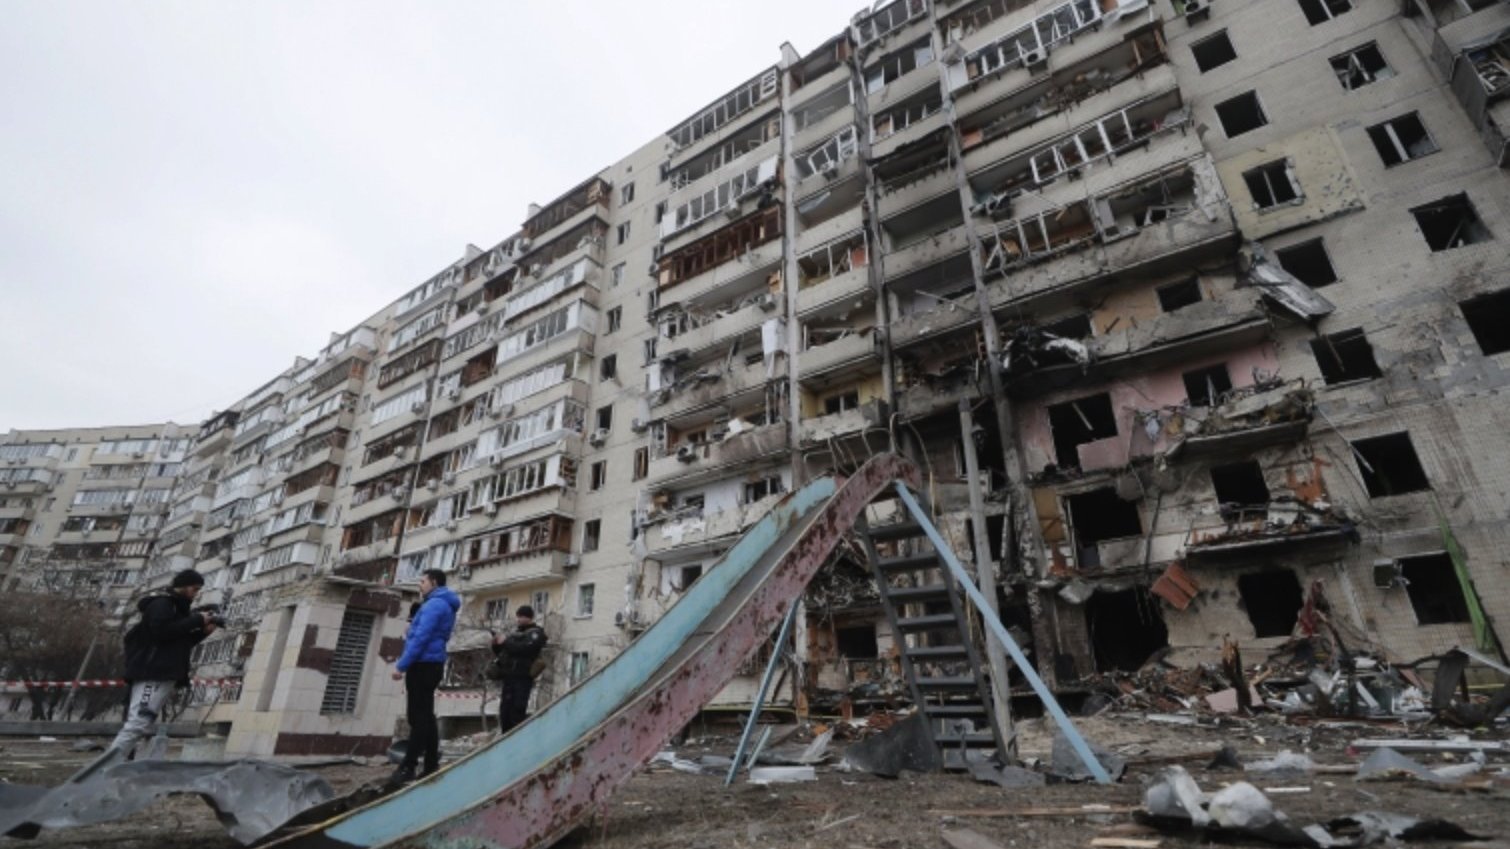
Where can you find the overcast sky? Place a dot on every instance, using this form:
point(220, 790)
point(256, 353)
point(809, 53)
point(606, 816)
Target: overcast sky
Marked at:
point(192, 193)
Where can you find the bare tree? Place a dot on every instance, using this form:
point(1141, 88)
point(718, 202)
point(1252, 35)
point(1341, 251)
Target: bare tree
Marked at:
point(46, 638)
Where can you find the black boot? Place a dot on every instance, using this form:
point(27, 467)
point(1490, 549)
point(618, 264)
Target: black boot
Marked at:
point(403, 775)
point(428, 769)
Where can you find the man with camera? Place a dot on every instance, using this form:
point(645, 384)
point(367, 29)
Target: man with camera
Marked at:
point(157, 652)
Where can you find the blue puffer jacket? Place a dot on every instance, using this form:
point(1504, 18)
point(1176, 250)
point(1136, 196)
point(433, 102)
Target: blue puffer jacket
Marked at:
point(430, 629)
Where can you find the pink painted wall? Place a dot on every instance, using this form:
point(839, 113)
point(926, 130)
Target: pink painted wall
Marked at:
point(1162, 390)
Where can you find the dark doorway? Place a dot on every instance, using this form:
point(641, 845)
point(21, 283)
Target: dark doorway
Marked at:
point(857, 642)
point(1100, 515)
point(1126, 629)
point(1272, 600)
point(1077, 422)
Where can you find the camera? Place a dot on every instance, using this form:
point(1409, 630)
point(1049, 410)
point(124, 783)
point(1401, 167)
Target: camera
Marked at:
point(212, 611)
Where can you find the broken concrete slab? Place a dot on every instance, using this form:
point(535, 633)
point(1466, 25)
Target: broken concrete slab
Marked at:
point(1010, 777)
point(250, 798)
point(905, 745)
point(782, 774)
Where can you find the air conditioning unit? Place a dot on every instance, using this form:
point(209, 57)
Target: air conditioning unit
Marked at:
point(638, 426)
point(686, 453)
point(1388, 574)
point(598, 437)
point(400, 493)
point(453, 393)
point(401, 452)
point(138, 454)
point(1197, 10)
point(732, 211)
point(481, 308)
point(417, 407)
point(448, 478)
point(536, 269)
point(465, 573)
point(496, 461)
point(523, 244)
point(767, 302)
point(572, 561)
point(432, 484)
point(1035, 57)
point(491, 509)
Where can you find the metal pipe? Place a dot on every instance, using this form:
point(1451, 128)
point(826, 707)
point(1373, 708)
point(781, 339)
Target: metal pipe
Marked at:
point(765, 684)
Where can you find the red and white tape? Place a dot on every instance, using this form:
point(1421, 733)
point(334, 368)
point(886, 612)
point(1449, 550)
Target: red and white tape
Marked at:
point(101, 683)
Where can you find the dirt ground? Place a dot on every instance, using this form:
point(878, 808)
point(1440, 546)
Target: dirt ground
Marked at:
point(661, 807)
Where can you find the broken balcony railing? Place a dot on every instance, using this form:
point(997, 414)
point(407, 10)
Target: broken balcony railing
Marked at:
point(1286, 521)
point(888, 19)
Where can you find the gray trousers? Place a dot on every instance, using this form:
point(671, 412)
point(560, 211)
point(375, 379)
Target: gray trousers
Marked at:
point(147, 699)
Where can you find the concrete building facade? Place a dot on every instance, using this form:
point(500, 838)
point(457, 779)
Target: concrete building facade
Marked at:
point(1212, 293)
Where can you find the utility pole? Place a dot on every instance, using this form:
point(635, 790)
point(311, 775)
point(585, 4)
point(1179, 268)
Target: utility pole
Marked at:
point(985, 575)
point(74, 687)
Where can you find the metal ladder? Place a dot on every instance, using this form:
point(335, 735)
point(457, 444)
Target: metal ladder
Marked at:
point(948, 680)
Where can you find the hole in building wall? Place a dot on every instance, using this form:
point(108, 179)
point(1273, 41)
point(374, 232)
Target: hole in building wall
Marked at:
point(857, 642)
point(1126, 629)
point(1431, 581)
point(1077, 422)
point(995, 525)
point(1241, 114)
point(1308, 262)
point(1073, 327)
point(1389, 465)
point(1450, 223)
point(1345, 356)
point(1272, 600)
point(1097, 516)
point(1239, 485)
point(1177, 295)
point(1205, 386)
point(1489, 318)
point(1213, 52)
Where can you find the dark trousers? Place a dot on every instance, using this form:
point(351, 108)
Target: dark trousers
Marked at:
point(513, 702)
point(420, 683)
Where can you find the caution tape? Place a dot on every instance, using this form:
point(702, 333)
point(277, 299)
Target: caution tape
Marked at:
point(104, 683)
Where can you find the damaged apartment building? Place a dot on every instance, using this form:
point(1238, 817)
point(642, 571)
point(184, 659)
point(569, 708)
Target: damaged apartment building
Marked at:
point(1184, 308)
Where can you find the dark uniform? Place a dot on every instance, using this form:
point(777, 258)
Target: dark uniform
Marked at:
point(517, 655)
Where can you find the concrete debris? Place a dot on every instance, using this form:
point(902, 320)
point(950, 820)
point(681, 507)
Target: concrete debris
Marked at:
point(782, 774)
point(251, 798)
point(1010, 777)
point(1175, 804)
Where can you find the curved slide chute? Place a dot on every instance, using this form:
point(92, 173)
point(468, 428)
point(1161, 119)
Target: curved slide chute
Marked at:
point(531, 787)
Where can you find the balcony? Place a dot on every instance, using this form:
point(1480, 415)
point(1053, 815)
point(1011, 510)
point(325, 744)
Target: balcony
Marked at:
point(1481, 82)
point(934, 394)
point(1278, 529)
point(1231, 321)
point(851, 220)
point(848, 289)
point(712, 388)
point(745, 270)
point(684, 532)
point(826, 127)
point(1156, 222)
point(521, 569)
point(570, 209)
point(932, 178)
point(1251, 421)
point(726, 116)
point(915, 81)
point(692, 463)
point(720, 332)
point(872, 415)
point(854, 351)
point(926, 251)
point(920, 122)
point(948, 318)
point(576, 339)
point(24, 481)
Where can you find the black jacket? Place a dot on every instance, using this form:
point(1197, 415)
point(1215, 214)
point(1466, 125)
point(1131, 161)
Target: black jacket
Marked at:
point(519, 650)
point(158, 646)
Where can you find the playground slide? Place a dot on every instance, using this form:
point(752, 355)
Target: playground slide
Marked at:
point(531, 787)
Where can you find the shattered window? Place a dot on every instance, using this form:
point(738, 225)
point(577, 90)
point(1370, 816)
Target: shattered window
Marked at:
point(1272, 184)
point(1077, 422)
point(1097, 516)
point(1178, 295)
point(1450, 223)
point(1321, 11)
point(1402, 139)
point(1345, 357)
point(1308, 262)
point(1389, 465)
point(1489, 318)
point(1238, 486)
point(1357, 68)
point(1435, 593)
point(1213, 51)
point(1241, 114)
point(1205, 386)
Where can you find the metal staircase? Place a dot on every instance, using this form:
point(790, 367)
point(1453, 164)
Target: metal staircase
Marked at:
point(930, 621)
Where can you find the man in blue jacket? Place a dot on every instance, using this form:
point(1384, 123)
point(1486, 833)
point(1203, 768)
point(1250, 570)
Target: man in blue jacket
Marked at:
point(421, 666)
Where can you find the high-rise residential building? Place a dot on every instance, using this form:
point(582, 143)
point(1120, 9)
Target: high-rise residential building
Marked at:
point(1211, 296)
